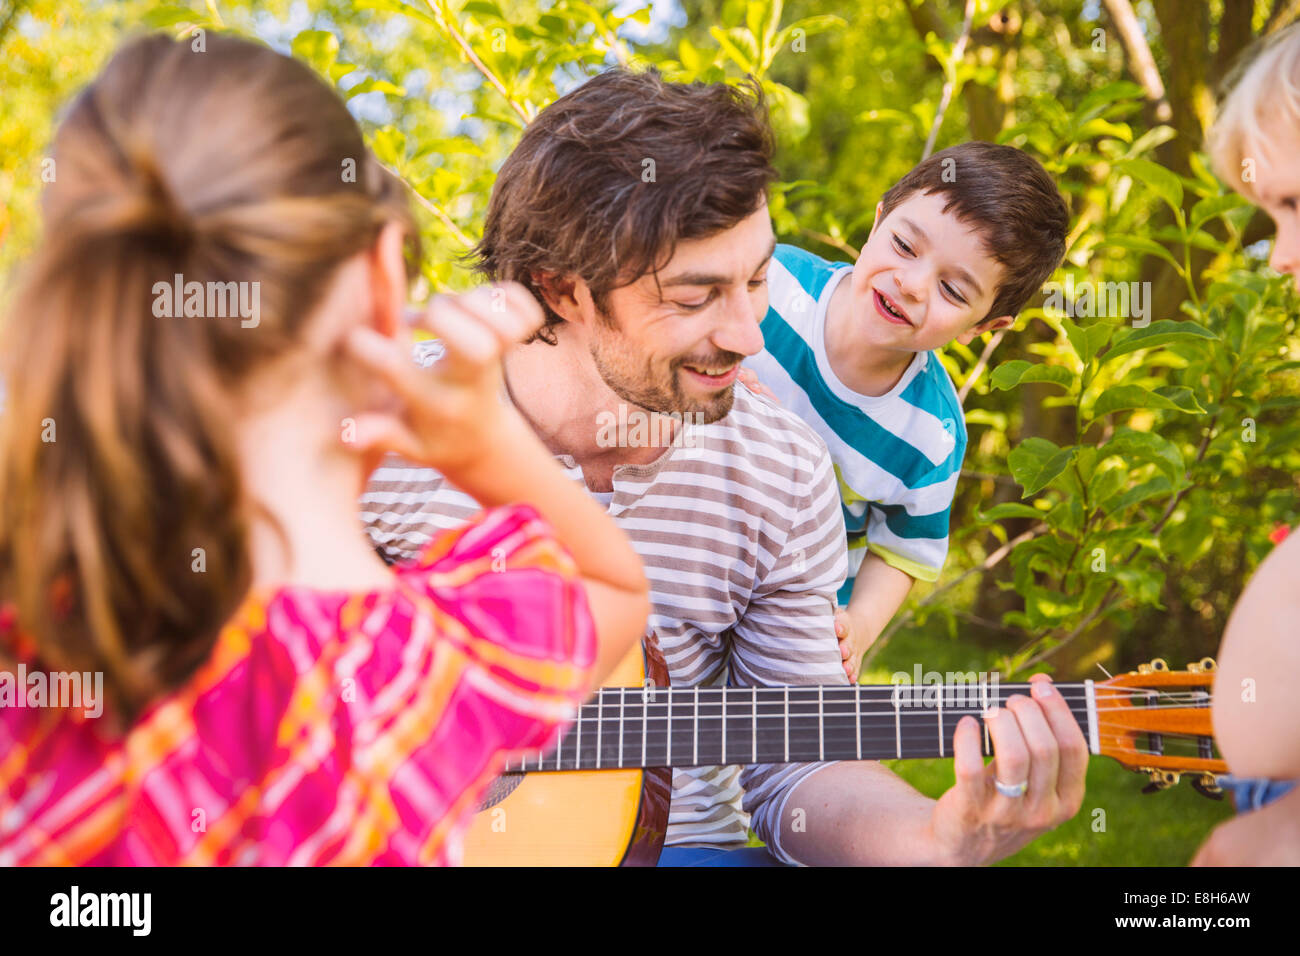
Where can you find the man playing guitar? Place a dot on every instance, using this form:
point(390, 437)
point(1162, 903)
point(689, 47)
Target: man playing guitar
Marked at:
point(635, 210)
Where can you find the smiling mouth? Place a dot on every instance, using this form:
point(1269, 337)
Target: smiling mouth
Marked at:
point(718, 377)
point(887, 308)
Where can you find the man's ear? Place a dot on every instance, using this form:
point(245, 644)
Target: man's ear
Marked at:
point(560, 293)
point(986, 325)
point(388, 287)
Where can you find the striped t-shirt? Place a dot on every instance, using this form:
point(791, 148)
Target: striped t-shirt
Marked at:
point(896, 456)
point(738, 525)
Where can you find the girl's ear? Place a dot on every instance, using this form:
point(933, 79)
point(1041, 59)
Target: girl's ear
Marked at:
point(986, 325)
point(388, 286)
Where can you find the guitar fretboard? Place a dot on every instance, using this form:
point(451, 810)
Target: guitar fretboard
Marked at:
point(623, 727)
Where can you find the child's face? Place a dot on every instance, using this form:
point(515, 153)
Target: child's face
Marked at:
point(924, 279)
point(1277, 192)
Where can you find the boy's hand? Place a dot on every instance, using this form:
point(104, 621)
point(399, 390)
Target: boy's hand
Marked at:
point(749, 378)
point(854, 641)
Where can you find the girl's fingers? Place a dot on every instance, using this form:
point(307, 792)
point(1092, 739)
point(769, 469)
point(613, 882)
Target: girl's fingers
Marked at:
point(386, 359)
point(471, 345)
point(378, 432)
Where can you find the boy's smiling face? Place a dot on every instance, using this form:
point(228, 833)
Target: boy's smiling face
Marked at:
point(923, 279)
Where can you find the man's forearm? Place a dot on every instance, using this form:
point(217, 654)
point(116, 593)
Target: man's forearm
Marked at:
point(858, 813)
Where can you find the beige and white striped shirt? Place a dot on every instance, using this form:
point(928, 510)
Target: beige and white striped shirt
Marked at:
point(740, 529)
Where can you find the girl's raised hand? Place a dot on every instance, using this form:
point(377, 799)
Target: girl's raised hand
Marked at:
point(451, 414)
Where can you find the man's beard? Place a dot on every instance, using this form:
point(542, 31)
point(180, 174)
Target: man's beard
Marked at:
point(635, 380)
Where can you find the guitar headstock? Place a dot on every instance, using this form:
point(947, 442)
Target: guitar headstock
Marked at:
point(1157, 721)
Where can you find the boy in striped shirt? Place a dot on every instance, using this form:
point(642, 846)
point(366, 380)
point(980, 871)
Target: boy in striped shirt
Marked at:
point(958, 248)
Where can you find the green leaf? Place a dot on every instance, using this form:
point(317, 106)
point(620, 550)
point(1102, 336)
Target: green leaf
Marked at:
point(1086, 341)
point(1152, 488)
point(1120, 397)
point(1208, 208)
point(1096, 102)
point(1036, 462)
point(319, 48)
point(389, 144)
point(1159, 180)
point(371, 85)
point(1009, 509)
point(1182, 397)
point(484, 8)
point(1157, 333)
point(1129, 443)
point(1019, 372)
point(1145, 246)
point(746, 63)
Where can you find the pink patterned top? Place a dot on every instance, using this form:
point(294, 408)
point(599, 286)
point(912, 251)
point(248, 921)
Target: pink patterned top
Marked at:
point(325, 727)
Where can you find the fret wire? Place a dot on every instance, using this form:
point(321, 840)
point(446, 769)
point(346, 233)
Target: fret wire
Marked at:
point(724, 723)
point(940, 708)
point(857, 718)
point(695, 750)
point(600, 723)
point(622, 692)
point(898, 723)
point(787, 725)
point(984, 701)
point(821, 726)
point(754, 729)
point(645, 720)
point(669, 728)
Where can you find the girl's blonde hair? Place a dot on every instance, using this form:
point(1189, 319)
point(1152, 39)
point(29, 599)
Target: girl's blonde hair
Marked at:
point(1264, 97)
point(117, 446)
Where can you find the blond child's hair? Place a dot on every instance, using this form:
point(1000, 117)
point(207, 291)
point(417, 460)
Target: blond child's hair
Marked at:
point(1264, 97)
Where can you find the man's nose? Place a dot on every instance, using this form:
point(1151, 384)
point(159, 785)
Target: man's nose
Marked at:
point(739, 331)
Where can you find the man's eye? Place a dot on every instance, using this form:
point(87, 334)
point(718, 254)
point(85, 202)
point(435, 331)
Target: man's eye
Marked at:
point(695, 306)
point(757, 283)
point(903, 247)
point(952, 293)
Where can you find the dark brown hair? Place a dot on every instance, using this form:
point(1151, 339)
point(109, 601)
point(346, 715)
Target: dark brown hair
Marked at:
point(609, 178)
point(227, 164)
point(1009, 198)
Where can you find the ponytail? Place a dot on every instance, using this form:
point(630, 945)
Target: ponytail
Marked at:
point(124, 529)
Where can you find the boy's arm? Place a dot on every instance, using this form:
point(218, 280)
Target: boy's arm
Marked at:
point(879, 590)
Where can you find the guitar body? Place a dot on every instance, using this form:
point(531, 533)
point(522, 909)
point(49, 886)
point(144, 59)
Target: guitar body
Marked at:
point(581, 817)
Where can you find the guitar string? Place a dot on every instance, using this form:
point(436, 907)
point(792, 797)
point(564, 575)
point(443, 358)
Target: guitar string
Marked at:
point(799, 737)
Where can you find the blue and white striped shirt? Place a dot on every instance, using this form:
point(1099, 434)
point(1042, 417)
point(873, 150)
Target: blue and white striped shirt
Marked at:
point(896, 456)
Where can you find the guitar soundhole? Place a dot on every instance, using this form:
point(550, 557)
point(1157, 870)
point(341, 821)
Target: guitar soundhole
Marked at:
point(500, 788)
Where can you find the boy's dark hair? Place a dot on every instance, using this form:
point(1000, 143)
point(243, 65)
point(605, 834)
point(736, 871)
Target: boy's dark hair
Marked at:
point(1010, 199)
point(609, 178)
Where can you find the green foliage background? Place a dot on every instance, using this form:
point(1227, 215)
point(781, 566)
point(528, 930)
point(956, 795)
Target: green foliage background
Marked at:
point(1121, 481)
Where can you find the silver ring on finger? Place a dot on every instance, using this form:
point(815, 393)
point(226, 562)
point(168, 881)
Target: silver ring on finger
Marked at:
point(1012, 790)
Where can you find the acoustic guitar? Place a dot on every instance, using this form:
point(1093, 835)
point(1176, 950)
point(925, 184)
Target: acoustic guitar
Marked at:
point(601, 797)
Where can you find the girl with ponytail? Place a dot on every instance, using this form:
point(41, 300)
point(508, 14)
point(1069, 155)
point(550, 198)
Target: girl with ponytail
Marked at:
point(202, 365)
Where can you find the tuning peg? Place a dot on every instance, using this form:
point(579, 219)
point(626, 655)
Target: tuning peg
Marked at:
point(1206, 786)
point(1160, 779)
point(1159, 664)
point(1205, 665)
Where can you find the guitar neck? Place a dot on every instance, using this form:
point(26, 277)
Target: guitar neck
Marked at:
point(631, 727)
